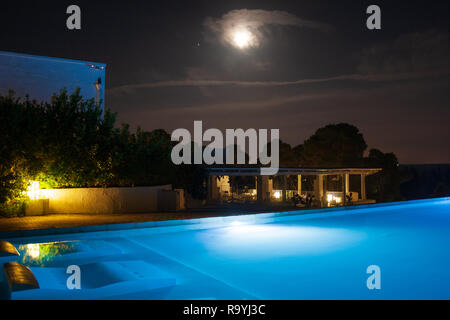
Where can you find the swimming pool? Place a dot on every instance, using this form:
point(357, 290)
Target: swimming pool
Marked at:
point(321, 255)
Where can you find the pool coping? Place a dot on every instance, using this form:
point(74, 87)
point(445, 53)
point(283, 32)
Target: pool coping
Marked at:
point(214, 222)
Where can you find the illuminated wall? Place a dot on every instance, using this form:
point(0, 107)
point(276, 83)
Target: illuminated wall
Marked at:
point(106, 200)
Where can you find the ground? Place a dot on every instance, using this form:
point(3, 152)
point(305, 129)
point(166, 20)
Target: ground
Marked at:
point(76, 220)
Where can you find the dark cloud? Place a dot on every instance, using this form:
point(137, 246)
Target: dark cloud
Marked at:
point(412, 53)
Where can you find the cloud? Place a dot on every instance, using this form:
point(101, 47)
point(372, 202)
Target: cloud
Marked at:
point(411, 56)
point(252, 21)
point(224, 83)
point(415, 53)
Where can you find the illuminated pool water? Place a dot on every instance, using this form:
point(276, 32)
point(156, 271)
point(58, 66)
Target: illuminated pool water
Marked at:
point(322, 257)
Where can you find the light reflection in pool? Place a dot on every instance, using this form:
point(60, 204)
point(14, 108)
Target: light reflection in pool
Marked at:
point(264, 241)
point(42, 254)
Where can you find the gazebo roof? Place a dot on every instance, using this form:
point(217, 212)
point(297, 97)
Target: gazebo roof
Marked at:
point(289, 171)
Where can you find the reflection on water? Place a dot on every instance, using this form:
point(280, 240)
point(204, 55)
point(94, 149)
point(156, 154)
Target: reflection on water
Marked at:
point(41, 254)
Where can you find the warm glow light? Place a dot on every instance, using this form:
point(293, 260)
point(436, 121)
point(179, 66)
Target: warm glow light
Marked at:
point(242, 39)
point(33, 190)
point(277, 194)
point(333, 198)
point(33, 250)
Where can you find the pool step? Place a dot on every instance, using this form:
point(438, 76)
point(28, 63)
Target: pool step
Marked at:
point(7, 252)
point(14, 276)
point(19, 277)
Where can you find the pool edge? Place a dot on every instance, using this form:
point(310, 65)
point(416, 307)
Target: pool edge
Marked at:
point(212, 222)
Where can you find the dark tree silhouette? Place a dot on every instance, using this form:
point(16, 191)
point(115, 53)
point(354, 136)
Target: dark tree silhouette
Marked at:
point(335, 145)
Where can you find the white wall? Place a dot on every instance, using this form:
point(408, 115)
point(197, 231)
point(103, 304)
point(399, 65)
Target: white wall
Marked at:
point(104, 200)
point(40, 77)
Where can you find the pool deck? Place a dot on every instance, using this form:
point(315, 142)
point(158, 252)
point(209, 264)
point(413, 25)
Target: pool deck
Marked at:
point(57, 221)
point(78, 220)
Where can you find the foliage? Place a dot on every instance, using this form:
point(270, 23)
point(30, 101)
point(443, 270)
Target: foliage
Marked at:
point(69, 142)
point(385, 185)
point(18, 150)
point(289, 157)
point(192, 178)
point(75, 147)
point(142, 158)
point(342, 146)
point(335, 145)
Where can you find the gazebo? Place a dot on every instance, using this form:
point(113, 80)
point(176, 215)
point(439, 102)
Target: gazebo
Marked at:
point(219, 186)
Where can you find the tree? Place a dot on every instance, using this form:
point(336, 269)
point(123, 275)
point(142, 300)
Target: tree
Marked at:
point(77, 141)
point(342, 145)
point(20, 148)
point(385, 185)
point(335, 145)
point(289, 157)
point(69, 142)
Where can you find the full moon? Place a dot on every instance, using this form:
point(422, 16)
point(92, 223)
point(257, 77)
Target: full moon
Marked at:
point(242, 39)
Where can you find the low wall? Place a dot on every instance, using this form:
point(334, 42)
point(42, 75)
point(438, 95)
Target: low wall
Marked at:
point(105, 200)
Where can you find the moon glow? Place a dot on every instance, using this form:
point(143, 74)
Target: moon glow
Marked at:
point(242, 39)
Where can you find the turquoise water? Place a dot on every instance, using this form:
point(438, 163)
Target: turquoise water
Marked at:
point(317, 258)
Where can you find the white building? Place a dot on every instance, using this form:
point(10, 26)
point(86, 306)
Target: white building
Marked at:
point(40, 77)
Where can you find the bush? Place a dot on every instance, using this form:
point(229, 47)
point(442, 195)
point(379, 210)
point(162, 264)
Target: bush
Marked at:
point(15, 207)
point(69, 142)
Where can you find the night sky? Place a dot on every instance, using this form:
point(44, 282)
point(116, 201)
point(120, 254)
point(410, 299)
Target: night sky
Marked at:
point(310, 63)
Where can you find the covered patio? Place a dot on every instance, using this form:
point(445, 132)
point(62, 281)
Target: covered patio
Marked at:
point(310, 182)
